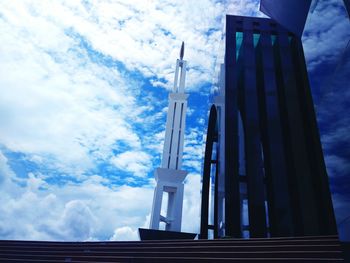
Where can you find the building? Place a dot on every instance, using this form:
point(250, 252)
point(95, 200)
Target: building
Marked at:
point(263, 151)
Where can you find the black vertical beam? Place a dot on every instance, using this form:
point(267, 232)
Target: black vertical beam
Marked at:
point(216, 195)
point(287, 147)
point(232, 195)
point(313, 144)
point(206, 173)
point(303, 191)
point(280, 214)
point(253, 151)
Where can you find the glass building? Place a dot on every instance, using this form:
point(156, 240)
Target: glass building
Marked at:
point(263, 152)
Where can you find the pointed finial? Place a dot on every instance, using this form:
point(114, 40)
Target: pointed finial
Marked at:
point(182, 51)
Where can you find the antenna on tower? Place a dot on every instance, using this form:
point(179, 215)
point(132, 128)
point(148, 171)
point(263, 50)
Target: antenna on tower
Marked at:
point(182, 50)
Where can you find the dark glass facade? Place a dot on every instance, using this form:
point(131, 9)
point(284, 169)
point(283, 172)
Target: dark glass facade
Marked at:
point(263, 151)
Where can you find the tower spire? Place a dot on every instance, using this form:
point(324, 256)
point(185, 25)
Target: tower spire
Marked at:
point(179, 81)
point(182, 50)
point(170, 177)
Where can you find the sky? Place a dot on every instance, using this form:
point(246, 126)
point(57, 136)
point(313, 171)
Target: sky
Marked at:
point(83, 101)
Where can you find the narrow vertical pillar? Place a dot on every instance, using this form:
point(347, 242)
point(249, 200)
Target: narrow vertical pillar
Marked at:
point(280, 214)
point(206, 173)
point(232, 195)
point(253, 150)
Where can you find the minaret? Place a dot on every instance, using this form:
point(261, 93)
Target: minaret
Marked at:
point(170, 177)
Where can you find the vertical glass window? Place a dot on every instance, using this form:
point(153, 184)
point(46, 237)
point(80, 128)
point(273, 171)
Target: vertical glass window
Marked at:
point(273, 39)
point(239, 40)
point(256, 38)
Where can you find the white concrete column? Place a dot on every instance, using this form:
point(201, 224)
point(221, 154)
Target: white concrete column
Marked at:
point(182, 128)
point(168, 133)
point(178, 201)
point(175, 89)
point(157, 206)
point(182, 76)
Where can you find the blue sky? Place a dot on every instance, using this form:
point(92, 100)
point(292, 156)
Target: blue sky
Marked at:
point(84, 88)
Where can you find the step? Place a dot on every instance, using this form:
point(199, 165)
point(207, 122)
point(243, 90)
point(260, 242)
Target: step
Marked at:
point(300, 249)
point(182, 259)
point(189, 247)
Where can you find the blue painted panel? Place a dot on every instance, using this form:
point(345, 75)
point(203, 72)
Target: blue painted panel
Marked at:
point(291, 14)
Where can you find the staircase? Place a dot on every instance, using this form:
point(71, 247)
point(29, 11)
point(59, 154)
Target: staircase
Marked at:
point(301, 249)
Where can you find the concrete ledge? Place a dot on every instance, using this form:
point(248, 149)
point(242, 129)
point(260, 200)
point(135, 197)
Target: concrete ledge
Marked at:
point(152, 234)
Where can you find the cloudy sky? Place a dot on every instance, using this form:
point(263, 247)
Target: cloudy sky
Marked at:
point(83, 101)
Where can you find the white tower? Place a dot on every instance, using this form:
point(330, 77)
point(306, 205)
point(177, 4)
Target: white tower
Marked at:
point(170, 177)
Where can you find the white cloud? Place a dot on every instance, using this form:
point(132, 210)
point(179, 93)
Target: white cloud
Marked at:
point(193, 150)
point(191, 205)
point(56, 102)
point(61, 101)
point(326, 33)
point(125, 233)
point(245, 8)
point(336, 165)
point(138, 163)
point(78, 211)
point(77, 220)
point(86, 211)
point(5, 171)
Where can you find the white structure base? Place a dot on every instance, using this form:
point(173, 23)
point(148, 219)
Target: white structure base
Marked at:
point(171, 182)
